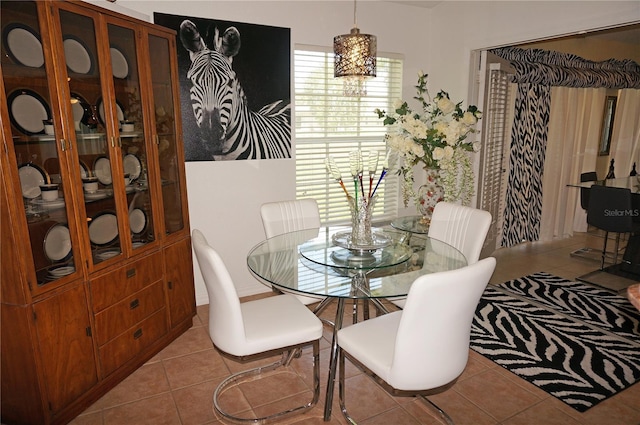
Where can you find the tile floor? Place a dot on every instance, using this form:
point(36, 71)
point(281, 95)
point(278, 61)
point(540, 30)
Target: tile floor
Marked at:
point(176, 386)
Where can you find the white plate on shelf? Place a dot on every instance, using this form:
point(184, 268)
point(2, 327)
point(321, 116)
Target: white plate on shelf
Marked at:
point(81, 109)
point(103, 229)
point(44, 137)
point(137, 221)
point(84, 170)
point(27, 110)
point(31, 177)
point(102, 170)
point(57, 242)
point(57, 203)
point(105, 255)
point(98, 194)
point(62, 271)
point(77, 56)
point(132, 166)
point(137, 244)
point(119, 64)
point(119, 111)
point(23, 44)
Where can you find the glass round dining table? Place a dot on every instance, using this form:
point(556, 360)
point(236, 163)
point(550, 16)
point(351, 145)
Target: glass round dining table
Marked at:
point(309, 263)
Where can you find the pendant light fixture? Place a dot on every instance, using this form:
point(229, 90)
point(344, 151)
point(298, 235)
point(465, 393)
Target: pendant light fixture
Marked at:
point(355, 59)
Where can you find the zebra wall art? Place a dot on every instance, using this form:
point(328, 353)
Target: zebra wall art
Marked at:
point(226, 123)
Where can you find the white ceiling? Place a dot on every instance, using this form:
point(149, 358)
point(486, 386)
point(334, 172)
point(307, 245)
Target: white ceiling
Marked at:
point(419, 3)
point(628, 34)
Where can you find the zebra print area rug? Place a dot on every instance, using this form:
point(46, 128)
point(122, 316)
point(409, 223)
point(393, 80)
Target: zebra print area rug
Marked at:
point(577, 342)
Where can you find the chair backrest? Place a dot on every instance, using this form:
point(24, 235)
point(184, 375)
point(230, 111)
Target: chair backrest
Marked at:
point(432, 343)
point(289, 216)
point(590, 176)
point(464, 228)
point(226, 327)
point(610, 209)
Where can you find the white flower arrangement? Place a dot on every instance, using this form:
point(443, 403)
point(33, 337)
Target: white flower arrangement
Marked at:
point(435, 137)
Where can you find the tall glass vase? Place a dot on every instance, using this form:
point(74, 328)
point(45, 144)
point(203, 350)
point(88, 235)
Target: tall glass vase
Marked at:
point(361, 213)
point(429, 194)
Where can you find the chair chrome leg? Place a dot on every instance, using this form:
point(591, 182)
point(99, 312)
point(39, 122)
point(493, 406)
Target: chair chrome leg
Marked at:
point(248, 375)
point(441, 412)
point(341, 388)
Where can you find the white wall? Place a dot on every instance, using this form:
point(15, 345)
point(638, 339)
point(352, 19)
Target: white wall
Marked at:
point(224, 197)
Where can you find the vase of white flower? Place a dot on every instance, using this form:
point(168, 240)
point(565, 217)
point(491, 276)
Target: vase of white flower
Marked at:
point(429, 194)
point(435, 137)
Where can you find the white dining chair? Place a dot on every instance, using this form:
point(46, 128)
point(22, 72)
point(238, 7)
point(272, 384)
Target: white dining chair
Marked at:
point(277, 324)
point(464, 228)
point(289, 216)
point(422, 349)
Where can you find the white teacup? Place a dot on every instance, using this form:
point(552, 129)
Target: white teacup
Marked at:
point(49, 192)
point(48, 129)
point(127, 127)
point(90, 184)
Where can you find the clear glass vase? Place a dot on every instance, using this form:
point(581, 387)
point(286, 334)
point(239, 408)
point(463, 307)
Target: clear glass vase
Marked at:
point(361, 213)
point(429, 194)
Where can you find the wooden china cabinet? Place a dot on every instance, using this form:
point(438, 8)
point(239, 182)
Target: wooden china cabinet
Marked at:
point(96, 280)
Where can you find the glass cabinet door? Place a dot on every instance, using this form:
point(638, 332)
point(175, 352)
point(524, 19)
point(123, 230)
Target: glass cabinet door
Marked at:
point(37, 143)
point(93, 133)
point(132, 141)
point(166, 133)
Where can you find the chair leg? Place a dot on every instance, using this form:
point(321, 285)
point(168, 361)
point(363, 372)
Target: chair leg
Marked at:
point(341, 387)
point(441, 412)
point(615, 252)
point(604, 249)
point(341, 395)
point(249, 375)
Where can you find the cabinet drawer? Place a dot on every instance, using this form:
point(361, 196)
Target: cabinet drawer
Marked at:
point(114, 320)
point(135, 339)
point(112, 287)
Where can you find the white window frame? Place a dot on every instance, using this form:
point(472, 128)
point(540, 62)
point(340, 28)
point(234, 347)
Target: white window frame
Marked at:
point(337, 132)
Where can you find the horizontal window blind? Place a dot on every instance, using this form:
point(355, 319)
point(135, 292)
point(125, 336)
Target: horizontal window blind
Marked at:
point(327, 123)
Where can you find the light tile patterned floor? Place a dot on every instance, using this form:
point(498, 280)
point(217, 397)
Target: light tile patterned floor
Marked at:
point(176, 386)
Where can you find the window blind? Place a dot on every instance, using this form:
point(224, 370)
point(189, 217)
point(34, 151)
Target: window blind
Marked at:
point(329, 123)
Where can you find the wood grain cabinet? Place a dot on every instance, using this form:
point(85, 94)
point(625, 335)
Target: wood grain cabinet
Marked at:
point(97, 274)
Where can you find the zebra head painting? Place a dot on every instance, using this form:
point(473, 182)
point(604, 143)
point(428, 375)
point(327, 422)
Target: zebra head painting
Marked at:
point(227, 127)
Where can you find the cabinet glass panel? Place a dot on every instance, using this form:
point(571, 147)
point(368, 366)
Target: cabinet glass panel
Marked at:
point(128, 100)
point(90, 121)
point(35, 142)
point(165, 127)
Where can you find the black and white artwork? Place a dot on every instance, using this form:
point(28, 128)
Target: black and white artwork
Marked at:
point(235, 88)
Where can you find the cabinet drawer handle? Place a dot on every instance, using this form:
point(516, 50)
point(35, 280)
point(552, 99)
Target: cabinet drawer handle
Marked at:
point(131, 273)
point(134, 304)
point(137, 334)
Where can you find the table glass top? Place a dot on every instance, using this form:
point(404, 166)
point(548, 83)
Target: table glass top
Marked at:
point(632, 183)
point(308, 263)
point(413, 224)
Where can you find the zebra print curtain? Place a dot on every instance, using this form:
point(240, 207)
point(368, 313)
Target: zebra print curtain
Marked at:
point(536, 66)
point(536, 72)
